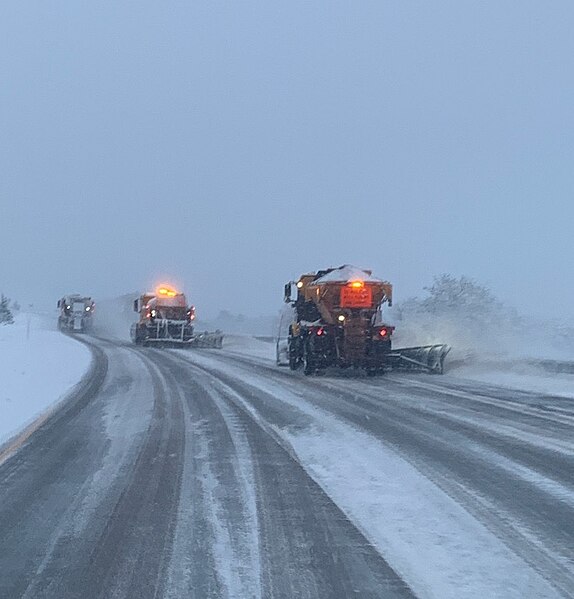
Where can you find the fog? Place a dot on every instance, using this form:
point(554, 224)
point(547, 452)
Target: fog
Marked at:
point(227, 147)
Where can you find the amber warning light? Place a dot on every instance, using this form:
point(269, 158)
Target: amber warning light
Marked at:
point(166, 291)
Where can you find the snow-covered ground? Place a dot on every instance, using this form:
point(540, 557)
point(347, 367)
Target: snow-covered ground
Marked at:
point(433, 542)
point(38, 366)
point(250, 346)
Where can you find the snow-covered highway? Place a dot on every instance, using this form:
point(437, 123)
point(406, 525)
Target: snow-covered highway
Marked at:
point(209, 473)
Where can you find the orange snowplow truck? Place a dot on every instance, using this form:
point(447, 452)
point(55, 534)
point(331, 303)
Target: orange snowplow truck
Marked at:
point(338, 322)
point(164, 318)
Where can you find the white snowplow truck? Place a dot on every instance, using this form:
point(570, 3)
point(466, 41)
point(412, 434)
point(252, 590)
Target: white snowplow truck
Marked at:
point(165, 319)
point(76, 313)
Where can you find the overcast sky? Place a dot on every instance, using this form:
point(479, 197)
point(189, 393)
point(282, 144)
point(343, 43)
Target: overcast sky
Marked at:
point(230, 146)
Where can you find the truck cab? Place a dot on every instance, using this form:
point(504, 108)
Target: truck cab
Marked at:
point(76, 313)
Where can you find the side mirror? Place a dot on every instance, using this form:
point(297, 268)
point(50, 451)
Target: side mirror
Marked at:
point(136, 306)
point(59, 303)
point(287, 297)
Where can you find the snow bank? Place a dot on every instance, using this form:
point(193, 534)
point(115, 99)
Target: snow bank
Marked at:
point(38, 366)
point(501, 352)
point(500, 339)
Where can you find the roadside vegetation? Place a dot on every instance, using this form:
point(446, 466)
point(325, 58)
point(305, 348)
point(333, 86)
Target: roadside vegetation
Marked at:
point(6, 316)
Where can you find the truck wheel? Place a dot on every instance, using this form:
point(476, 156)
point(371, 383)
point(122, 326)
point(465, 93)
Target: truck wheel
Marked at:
point(140, 336)
point(294, 358)
point(308, 363)
point(294, 362)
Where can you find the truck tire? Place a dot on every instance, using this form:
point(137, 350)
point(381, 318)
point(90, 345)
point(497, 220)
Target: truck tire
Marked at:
point(309, 367)
point(294, 358)
point(139, 335)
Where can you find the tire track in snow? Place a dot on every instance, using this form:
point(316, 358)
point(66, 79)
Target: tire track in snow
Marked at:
point(230, 513)
point(307, 547)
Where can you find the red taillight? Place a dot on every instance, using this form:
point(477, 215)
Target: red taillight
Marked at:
point(385, 332)
point(319, 332)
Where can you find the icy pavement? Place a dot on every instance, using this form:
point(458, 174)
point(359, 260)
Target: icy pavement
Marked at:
point(216, 473)
point(38, 366)
point(425, 534)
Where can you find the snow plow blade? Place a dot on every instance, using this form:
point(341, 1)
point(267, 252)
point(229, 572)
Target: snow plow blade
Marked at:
point(212, 340)
point(428, 358)
point(169, 334)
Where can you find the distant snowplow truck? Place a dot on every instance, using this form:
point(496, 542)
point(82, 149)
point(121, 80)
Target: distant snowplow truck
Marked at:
point(165, 319)
point(338, 322)
point(76, 313)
